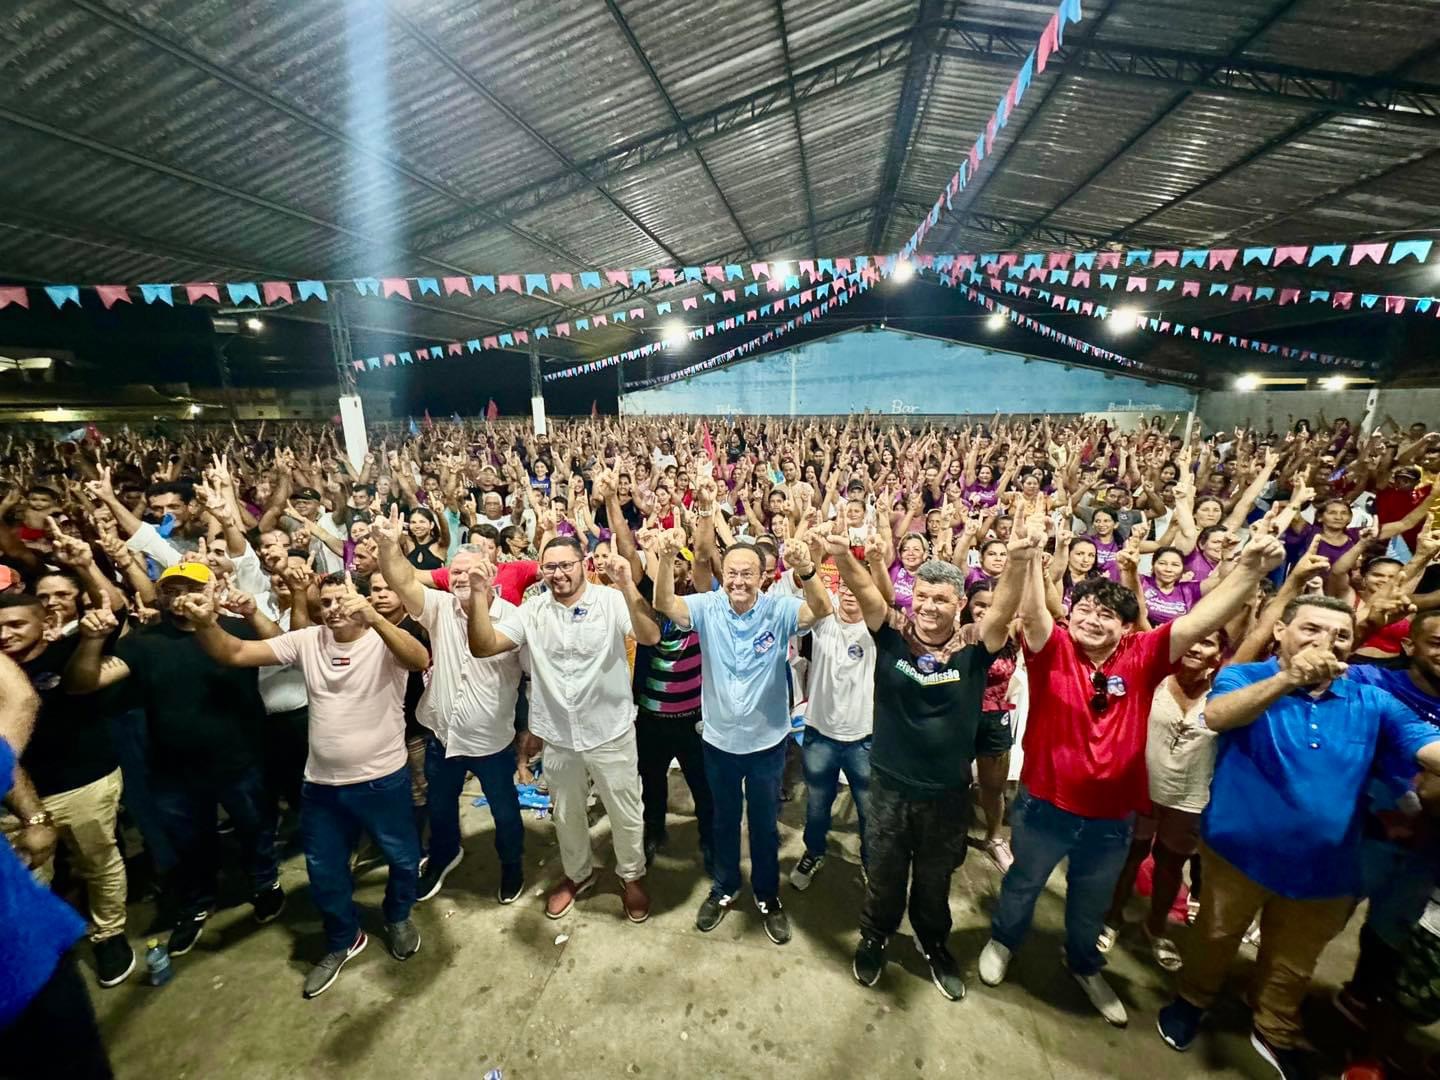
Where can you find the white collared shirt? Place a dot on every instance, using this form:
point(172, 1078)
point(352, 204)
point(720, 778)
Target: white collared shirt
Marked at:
point(580, 695)
point(470, 702)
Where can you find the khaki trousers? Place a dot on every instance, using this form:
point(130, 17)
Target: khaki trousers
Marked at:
point(85, 819)
point(1293, 934)
point(614, 768)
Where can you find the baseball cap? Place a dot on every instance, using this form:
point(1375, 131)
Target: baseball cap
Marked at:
point(195, 571)
point(9, 579)
point(307, 493)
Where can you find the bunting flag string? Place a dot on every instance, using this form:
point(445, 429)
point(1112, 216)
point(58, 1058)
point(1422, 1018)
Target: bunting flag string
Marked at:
point(1075, 306)
point(776, 275)
point(1051, 38)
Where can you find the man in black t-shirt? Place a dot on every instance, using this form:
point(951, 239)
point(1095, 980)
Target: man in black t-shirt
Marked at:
point(205, 727)
point(72, 765)
point(928, 691)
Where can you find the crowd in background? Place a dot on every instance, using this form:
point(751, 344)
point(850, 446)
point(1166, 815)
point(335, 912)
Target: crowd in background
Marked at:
point(1211, 659)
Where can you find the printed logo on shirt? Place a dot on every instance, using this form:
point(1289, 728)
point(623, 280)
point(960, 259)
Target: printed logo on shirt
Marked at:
point(46, 680)
point(339, 661)
point(764, 643)
point(924, 677)
point(927, 663)
point(855, 652)
point(1115, 685)
point(578, 612)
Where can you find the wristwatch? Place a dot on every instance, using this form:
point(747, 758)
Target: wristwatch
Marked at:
point(42, 818)
point(807, 577)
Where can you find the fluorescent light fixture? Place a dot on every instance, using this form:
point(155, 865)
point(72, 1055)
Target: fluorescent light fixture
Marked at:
point(1248, 382)
point(254, 325)
point(903, 272)
point(1122, 319)
point(673, 333)
point(1334, 382)
point(996, 321)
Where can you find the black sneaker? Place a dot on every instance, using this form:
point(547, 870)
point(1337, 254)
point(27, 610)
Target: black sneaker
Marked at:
point(653, 844)
point(114, 960)
point(269, 903)
point(777, 923)
point(1179, 1023)
point(944, 972)
point(712, 912)
point(403, 939)
point(435, 875)
point(323, 974)
point(1288, 1063)
point(186, 933)
point(869, 960)
point(512, 883)
point(805, 870)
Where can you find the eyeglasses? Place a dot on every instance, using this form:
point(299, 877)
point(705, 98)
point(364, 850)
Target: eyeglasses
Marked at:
point(740, 575)
point(1101, 685)
point(560, 567)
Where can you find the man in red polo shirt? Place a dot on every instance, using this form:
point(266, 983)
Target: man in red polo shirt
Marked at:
point(1084, 776)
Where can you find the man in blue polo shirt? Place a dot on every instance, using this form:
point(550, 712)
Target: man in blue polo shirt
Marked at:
point(745, 709)
point(1281, 836)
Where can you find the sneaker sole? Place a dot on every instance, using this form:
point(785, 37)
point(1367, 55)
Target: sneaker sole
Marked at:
point(187, 948)
point(440, 881)
point(1172, 1045)
point(1265, 1054)
point(500, 896)
point(107, 983)
point(354, 951)
point(936, 979)
point(408, 955)
point(799, 883)
point(777, 940)
point(856, 972)
point(580, 891)
point(631, 916)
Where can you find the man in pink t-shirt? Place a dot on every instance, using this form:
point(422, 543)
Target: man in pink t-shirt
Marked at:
point(356, 776)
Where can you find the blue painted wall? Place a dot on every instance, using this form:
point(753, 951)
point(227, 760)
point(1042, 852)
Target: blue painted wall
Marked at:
point(888, 371)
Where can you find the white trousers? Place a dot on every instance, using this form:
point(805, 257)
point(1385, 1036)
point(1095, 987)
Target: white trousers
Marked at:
point(615, 769)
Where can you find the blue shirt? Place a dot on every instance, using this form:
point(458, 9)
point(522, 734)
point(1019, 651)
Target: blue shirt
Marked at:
point(36, 927)
point(1286, 801)
point(744, 699)
point(1387, 789)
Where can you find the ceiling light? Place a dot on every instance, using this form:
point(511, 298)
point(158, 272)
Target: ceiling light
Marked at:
point(903, 272)
point(254, 325)
point(1122, 319)
point(1334, 382)
point(195, 410)
point(673, 333)
point(996, 321)
point(779, 271)
point(1248, 382)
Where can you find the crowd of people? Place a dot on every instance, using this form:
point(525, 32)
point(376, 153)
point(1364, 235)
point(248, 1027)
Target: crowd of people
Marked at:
point(1213, 655)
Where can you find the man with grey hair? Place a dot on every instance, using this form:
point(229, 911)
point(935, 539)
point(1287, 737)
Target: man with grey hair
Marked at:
point(929, 687)
point(469, 708)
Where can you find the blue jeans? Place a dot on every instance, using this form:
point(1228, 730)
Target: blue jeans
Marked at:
point(331, 818)
point(445, 777)
point(186, 811)
point(824, 759)
point(748, 783)
point(1041, 834)
point(1398, 881)
point(129, 736)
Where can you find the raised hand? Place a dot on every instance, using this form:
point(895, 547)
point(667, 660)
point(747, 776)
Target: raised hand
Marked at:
point(197, 608)
point(617, 568)
point(1263, 553)
point(1315, 664)
point(355, 606)
point(101, 488)
point(98, 623)
point(70, 550)
point(797, 555)
point(387, 528)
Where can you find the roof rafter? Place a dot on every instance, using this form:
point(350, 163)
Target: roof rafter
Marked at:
point(799, 134)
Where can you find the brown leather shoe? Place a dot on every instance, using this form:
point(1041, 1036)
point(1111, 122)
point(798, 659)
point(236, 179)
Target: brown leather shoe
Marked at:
point(635, 900)
point(562, 898)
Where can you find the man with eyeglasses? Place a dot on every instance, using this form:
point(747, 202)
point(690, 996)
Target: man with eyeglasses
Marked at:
point(745, 709)
point(1084, 777)
point(581, 705)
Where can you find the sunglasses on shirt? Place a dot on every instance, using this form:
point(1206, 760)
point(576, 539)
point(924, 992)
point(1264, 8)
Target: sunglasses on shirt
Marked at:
point(1101, 685)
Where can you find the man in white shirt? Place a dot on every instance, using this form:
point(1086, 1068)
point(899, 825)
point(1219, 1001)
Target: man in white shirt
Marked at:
point(356, 777)
point(838, 721)
point(469, 708)
point(582, 706)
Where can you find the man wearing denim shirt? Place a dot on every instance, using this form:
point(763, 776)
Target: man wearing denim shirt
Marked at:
point(1281, 836)
point(745, 709)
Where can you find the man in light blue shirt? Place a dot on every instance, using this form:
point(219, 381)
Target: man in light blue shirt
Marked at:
point(745, 709)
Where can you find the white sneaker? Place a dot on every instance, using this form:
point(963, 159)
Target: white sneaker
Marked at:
point(994, 962)
point(1102, 996)
point(1107, 938)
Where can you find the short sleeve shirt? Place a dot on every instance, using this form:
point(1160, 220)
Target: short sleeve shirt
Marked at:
point(841, 679)
point(470, 702)
point(1163, 606)
point(744, 700)
point(1085, 760)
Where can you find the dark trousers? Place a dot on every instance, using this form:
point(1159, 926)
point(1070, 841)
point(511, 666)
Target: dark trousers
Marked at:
point(287, 745)
point(748, 783)
point(660, 740)
point(445, 777)
point(331, 818)
point(914, 843)
point(187, 812)
point(129, 735)
point(55, 1036)
point(1041, 834)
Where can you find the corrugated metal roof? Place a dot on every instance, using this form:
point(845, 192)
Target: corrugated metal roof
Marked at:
point(206, 139)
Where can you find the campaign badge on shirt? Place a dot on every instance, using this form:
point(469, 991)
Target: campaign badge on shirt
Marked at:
point(764, 643)
point(46, 680)
point(927, 664)
point(578, 612)
point(1115, 686)
point(855, 652)
point(339, 661)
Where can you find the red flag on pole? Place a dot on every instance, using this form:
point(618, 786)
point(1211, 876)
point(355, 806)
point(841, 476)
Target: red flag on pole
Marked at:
point(429, 424)
point(492, 410)
point(706, 440)
point(594, 408)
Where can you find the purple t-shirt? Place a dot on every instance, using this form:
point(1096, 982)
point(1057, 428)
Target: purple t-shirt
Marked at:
point(975, 574)
point(1296, 544)
point(1199, 566)
point(1105, 552)
point(1162, 606)
point(979, 496)
point(903, 582)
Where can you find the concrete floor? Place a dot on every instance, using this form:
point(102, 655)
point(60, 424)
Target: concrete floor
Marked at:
point(492, 989)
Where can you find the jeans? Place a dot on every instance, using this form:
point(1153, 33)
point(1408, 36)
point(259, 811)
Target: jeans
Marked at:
point(747, 783)
point(130, 737)
point(916, 843)
point(445, 777)
point(825, 758)
point(660, 740)
point(187, 813)
point(1041, 834)
point(331, 818)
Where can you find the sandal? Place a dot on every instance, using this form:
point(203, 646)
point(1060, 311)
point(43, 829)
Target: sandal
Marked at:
point(1000, 854)
point(1166, 953)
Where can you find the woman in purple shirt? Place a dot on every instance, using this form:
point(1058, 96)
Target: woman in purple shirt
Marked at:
point(913, 551)
point(1164, 595)
point(994, 554)
point(1102, 535)
point(1332, 526)
point(1209, 550)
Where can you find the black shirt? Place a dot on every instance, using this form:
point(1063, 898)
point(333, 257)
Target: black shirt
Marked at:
point(926, 714)
point(204, 722)
point(71, 744)
point(422, 558)
point(415, 684)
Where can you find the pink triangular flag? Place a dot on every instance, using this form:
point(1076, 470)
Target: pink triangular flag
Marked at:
point(112, 294)
point(201, 290)
point(455, 285)
point(14, 294)
point(395, 286)
point(276, 292)
point(507, 281)
point(562, 281)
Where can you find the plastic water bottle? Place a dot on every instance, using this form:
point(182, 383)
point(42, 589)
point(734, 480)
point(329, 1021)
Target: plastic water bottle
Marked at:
point(157, 962)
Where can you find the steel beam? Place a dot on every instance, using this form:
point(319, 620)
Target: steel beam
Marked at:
point(795, 118)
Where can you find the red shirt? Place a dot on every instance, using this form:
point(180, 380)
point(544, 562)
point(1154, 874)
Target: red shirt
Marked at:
point(511, 578)
point(1086, 762)
point(1392, 504)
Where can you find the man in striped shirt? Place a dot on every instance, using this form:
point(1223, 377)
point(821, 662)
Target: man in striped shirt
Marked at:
point(667, 723)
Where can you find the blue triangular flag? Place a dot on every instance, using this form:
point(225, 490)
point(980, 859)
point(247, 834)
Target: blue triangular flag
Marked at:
point(160, 293)
point(312, 290)
point(428, 285)
point(243, 290)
